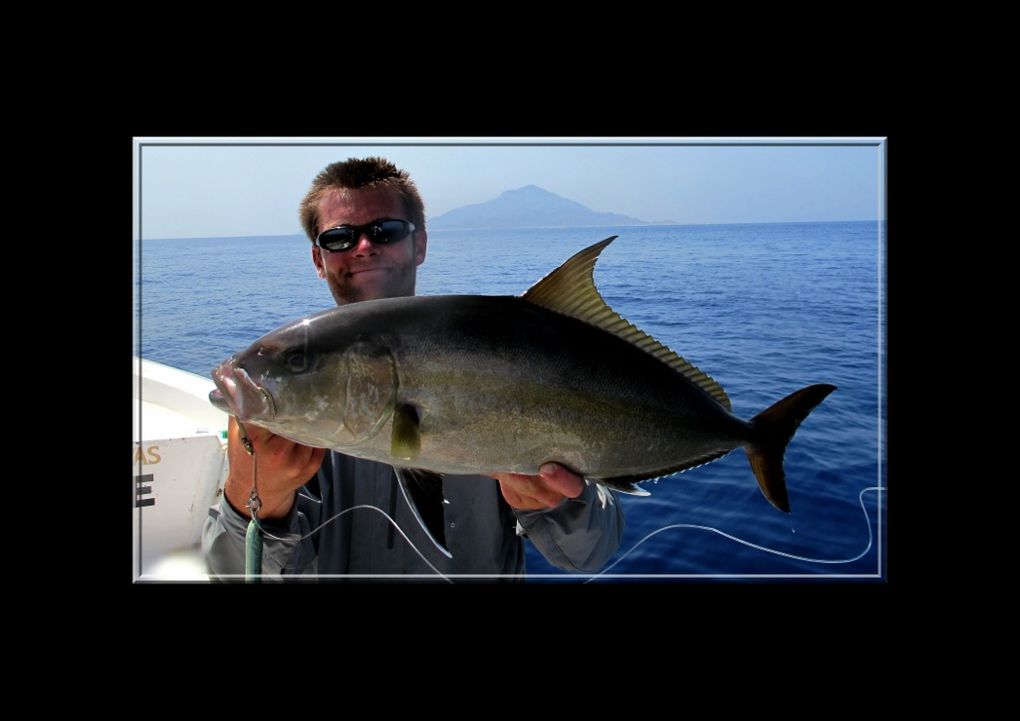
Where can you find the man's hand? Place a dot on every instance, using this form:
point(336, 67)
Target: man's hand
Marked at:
point(546, 490)
point(284, 466)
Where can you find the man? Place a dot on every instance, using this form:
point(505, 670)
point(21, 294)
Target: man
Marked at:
point(575, 524)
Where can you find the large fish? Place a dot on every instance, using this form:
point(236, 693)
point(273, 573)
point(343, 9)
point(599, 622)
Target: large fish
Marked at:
point(488, 384)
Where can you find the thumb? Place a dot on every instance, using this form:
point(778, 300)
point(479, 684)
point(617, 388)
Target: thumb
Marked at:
point(562, 480)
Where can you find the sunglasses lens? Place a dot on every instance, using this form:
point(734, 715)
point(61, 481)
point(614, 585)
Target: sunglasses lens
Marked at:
point(389, 231)
point(337, 239)
point(381, 232)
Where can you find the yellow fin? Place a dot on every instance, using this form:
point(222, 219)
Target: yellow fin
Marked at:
point(570, 290)
point(405, 441)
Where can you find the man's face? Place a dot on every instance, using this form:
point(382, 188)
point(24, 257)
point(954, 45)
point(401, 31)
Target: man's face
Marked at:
point(367, 271)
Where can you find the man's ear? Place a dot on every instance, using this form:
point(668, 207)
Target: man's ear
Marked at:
point(421, 241)
point(320, 269)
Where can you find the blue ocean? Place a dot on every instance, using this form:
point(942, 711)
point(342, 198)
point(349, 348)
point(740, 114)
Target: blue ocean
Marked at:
point(765, 309)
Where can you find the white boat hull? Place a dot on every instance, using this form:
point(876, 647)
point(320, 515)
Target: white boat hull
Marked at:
point(179, 462)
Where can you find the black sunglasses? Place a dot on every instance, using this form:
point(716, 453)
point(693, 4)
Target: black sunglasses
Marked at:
point(381, 232)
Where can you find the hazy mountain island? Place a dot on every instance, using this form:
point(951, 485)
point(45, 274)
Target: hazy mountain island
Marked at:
point(528, 207)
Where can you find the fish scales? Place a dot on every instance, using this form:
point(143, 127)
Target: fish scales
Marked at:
point(504, 385)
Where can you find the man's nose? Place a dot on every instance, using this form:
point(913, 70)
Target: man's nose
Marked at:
point(364, 246)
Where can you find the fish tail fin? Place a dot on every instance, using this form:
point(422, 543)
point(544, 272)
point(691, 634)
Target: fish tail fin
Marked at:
point(772, 430)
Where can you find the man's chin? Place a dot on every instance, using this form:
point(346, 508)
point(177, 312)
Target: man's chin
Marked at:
point(368, 290)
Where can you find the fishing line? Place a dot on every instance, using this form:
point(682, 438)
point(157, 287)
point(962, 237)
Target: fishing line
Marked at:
point(256, 531)
point(325, 523)
point(860, 497)
point(254, 503)
point(253, 534)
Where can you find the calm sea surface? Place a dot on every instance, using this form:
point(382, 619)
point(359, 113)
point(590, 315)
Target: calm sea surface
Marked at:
point(764, 309)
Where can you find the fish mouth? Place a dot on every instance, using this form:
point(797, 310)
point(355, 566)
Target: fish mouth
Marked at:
point(237, 394)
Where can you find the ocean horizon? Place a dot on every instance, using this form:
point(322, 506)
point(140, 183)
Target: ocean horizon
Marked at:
point(536, 227)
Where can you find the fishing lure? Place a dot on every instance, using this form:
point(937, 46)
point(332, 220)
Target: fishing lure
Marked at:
point(253, 551)
point(253, 536)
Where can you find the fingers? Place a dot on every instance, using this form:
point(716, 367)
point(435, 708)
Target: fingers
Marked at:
point(265, 442)
point(559, 478)
point(238, 455)
point(273, 449)
point(301, 462)
point(546, 490)
point(518, 490)
point(313, 460)
point(253, 431)
point(283, 464)
point(515, 499)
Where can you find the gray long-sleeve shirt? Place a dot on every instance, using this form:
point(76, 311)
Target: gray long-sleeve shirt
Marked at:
point(480, 527)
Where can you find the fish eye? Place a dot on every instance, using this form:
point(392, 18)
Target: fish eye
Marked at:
point(299, 361)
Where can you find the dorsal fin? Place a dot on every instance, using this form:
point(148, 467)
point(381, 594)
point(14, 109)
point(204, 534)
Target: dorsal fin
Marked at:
point(570, 290)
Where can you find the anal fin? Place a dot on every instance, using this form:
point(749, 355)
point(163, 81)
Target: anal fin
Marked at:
point(625, 484)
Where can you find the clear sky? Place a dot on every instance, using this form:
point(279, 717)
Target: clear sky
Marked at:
point(193, 190)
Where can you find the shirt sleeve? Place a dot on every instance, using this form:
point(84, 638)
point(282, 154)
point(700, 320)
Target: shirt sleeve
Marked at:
point(282, 551)
point(580, 534)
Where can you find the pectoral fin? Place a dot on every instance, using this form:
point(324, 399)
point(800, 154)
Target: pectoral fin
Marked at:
point(405, 442)
point(423, 491)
